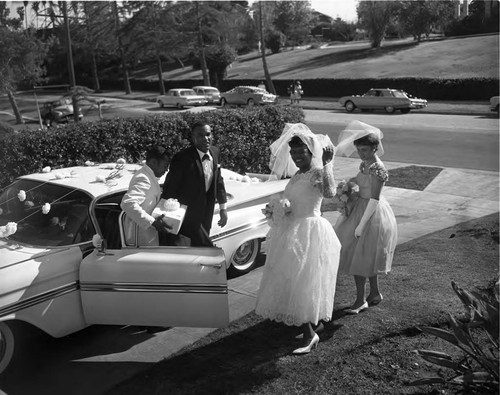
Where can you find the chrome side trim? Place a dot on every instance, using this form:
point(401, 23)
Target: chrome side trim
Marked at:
point(239, 229)
point(40, 298)
point(153, 287)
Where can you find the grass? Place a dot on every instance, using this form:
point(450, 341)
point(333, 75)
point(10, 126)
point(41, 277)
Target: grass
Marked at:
point(365, 354)
point(412, 177)
point(450, 58)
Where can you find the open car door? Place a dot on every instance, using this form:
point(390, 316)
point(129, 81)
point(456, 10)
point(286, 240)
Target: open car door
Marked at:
point(155, 286)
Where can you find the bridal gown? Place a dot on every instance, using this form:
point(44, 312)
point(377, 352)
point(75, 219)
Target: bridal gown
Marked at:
point(300, 273)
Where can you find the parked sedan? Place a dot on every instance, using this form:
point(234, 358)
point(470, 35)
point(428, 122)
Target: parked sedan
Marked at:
point(211, 94)
point(389, 100)
point(181, 98)
point(494, 103)
point(58, 111)
point(247, 95)
point(65, 262)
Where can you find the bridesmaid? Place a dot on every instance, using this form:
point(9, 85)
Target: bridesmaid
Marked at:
point(369, 234)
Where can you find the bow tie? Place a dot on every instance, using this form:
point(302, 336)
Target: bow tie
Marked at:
point(205, 157)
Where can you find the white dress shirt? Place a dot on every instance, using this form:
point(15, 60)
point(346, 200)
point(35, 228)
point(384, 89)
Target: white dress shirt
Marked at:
point(208, 171)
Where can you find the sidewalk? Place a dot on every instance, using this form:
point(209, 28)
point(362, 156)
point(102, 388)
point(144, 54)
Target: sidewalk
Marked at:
point(329, 103)
point(445, 202)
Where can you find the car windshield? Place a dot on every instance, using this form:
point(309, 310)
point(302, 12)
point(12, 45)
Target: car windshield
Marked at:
point(211, 90)
point(188, 93)
point(46, 214)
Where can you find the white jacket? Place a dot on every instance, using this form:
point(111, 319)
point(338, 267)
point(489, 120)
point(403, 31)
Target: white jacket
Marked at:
point(143, 195)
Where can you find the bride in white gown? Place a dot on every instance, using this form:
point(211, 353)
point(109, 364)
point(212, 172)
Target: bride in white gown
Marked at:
point(300, 274)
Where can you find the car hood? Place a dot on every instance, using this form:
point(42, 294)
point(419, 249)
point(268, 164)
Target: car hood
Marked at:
point(12, 253)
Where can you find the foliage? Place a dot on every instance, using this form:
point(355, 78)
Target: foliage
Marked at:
point(477, 336)
point(21, 57)
point(244, 136)
point(275, 40)
point(219, 57)
point(375, 16)
point(293, 19)
point(419, 17)
point(476, 22)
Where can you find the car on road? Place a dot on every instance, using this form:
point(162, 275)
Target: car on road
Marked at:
point(58, 111)
point(494, 103)
point(66, 262)
point(389, 100)
point(211, 94)
point(181, 98)
point(247, 95)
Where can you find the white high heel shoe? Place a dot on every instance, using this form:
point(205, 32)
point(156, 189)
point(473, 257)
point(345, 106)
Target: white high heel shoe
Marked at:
point(307, 349)
point(364, 306)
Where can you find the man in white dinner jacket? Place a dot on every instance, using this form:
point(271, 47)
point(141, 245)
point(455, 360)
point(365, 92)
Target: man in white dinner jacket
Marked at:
point(143, 194)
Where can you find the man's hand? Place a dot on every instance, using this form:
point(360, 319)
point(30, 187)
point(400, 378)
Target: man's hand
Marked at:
point(327, 154)
point(223, 218)
point(161, 226)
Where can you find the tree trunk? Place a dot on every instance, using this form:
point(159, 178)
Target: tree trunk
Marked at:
point(95, 75)
point(15, 108)
point(269, 81)
point(203, 61)
point(126, 80)
point(160, 73)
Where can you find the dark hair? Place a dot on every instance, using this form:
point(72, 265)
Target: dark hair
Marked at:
point(158, 153)
point(296, 141)
point(370, 140)
point(199, 124)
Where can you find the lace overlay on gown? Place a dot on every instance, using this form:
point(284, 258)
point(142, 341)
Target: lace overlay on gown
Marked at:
point(298, 283)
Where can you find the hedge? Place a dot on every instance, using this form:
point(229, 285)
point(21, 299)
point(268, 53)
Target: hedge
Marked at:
point(243, 136)
point(426, 88)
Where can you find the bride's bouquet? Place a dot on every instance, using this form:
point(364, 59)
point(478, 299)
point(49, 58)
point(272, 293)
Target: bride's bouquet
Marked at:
point(347, 193)
point(276, 210)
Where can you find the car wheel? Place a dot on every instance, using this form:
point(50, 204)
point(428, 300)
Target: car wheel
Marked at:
point(6, 345)
point(161, 104)
point(179, 106)
point(389, 109)
point(223, 102)
point(349, 106)
point(244, 258)
point(250, 103)
point(405, 110)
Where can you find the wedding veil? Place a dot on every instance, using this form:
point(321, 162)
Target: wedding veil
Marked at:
point(281, 163)
point(353, 131)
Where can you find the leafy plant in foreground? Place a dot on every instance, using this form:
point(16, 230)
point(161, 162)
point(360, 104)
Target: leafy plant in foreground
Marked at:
point(477, 336)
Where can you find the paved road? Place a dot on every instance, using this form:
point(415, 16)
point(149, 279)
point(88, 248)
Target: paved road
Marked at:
point(460, 141)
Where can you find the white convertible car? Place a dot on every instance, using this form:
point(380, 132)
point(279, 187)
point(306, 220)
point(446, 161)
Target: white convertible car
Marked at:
point(55, 275)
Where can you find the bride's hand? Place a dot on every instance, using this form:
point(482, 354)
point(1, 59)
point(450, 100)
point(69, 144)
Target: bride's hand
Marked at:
point(327, 154)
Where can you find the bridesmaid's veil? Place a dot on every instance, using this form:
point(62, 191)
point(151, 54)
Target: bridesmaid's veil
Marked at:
point(353, 131)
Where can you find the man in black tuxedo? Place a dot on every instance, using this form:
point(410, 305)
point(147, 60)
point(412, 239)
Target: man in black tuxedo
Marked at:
point(194, 179)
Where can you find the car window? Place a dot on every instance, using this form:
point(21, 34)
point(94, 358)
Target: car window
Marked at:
point(371, 93)
point(46, 214)
point(211, 90)
point(398, 94)
point(187, 93)
point(107, 212)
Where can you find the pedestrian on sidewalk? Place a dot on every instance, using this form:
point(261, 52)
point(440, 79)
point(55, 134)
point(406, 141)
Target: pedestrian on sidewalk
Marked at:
point(368, 233)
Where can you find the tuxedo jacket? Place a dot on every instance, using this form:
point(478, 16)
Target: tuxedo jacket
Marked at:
point(185, 181)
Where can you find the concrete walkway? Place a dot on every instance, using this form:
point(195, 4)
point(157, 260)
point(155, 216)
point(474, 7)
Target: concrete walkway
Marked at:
point(454, 196)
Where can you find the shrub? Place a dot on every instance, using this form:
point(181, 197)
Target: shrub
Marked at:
point(243, 135)
point(477, 372)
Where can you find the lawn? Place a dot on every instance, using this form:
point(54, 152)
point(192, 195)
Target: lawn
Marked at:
point(366, 354)
point(450, 58)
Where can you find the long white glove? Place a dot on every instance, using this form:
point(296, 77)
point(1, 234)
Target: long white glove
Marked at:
point(369, 210)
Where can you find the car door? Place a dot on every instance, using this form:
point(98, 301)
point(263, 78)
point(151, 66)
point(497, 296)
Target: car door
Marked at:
point(155, 286)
